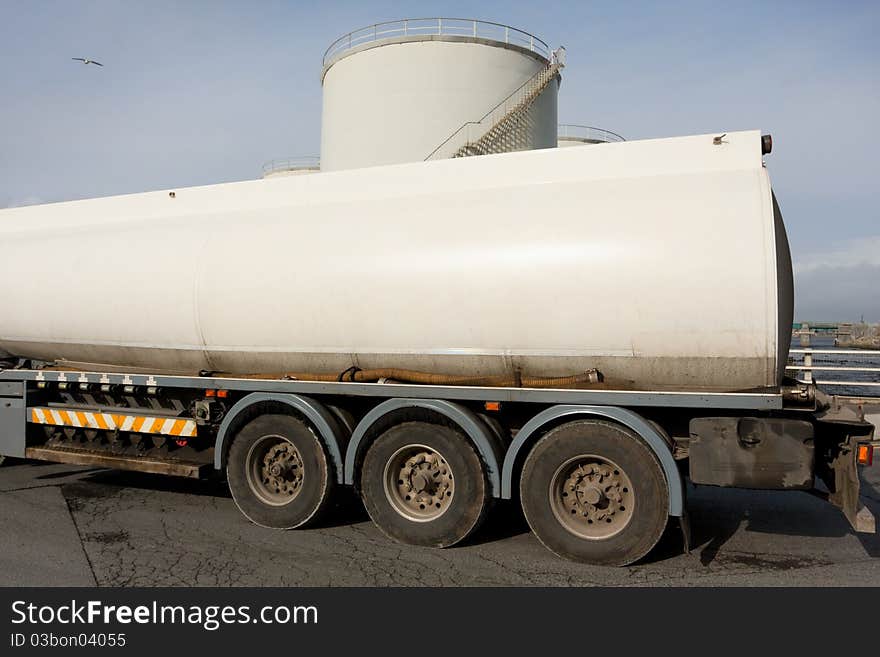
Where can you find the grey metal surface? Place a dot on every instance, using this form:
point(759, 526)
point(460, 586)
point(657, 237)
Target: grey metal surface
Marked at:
point(718, 400)
point(147, 530)
point(12, 426)
point(11, 389)
point(625, 417)
point(481, 436)
point(325, 423)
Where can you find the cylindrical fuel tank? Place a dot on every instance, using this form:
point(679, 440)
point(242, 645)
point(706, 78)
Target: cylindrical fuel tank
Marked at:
point(396, 91)
point(662, 263)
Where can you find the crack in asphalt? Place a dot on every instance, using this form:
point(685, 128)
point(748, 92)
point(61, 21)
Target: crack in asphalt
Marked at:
point(80, 536)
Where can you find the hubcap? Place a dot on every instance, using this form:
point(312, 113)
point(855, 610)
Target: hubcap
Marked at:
point(275, 470)
point(419, 483)
point(592, 497)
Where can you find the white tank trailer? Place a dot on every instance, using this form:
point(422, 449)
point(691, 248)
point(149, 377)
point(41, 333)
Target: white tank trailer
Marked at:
point(220, 328)
point(578, 328)
point(663, 264)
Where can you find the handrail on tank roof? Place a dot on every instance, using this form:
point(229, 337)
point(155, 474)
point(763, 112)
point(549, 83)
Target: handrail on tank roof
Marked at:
point(586, 132)
point(463, 27)
point(292, 164)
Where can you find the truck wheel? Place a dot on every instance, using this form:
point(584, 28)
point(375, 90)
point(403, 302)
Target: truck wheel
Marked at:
point(594, 492)
point(423, 484)
point(278, 472)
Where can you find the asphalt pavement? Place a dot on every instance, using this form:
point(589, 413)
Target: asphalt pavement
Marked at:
point(70, 525)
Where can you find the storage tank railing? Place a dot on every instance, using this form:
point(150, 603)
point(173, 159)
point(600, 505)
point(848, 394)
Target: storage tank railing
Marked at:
point(414, 27)
point(292, 164)
point(586, 133)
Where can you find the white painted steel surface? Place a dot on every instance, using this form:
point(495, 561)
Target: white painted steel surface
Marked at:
point(659, 262)
point(396, 100)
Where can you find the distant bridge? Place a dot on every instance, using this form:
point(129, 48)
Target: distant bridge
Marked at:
point(822, 327)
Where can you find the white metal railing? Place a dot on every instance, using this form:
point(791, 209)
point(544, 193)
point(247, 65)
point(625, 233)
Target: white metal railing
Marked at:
point(292, 164)
point(808, 367)
point(587, 133)
point(464, 27)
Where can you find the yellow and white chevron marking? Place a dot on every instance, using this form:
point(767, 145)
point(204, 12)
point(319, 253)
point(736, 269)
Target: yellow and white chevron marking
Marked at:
point(135, 423)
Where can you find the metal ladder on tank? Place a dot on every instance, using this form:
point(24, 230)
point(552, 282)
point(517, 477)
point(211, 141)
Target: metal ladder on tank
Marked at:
point(502, 128)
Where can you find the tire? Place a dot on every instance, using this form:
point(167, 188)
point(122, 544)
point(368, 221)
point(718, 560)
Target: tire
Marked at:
point(594, 492)
point(297, 492)
point(439, 470)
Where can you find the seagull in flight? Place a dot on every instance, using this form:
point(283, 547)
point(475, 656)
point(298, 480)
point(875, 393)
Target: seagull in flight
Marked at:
point(87, 61)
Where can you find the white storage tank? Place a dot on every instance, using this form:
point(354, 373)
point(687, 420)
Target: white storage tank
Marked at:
point(662, 263)
point(393, 92)
point(571, 134)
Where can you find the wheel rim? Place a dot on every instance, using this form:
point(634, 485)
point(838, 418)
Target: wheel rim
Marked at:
point(592, 497)
point(275, 470)
point(419, 483)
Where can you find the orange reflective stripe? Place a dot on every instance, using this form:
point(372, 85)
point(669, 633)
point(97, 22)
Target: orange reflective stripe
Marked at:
point(111, 421)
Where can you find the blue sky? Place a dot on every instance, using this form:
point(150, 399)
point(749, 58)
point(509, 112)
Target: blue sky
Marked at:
point(206, 91)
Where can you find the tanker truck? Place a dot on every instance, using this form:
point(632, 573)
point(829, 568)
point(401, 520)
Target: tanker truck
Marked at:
point(580, 330)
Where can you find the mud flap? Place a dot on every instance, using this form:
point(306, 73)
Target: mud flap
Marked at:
point(684, 523)
point(840, 474)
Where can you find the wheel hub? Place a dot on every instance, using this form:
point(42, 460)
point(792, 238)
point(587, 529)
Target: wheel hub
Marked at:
point(419, 483)
point(592, 497)
point(282, 469)
point(593, 490)
point(591, 494)
point(276, 470)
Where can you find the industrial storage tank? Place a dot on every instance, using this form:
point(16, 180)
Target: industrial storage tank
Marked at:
point(394, 92)
point(571, 134)
point(677, 277)
point(292, 166)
